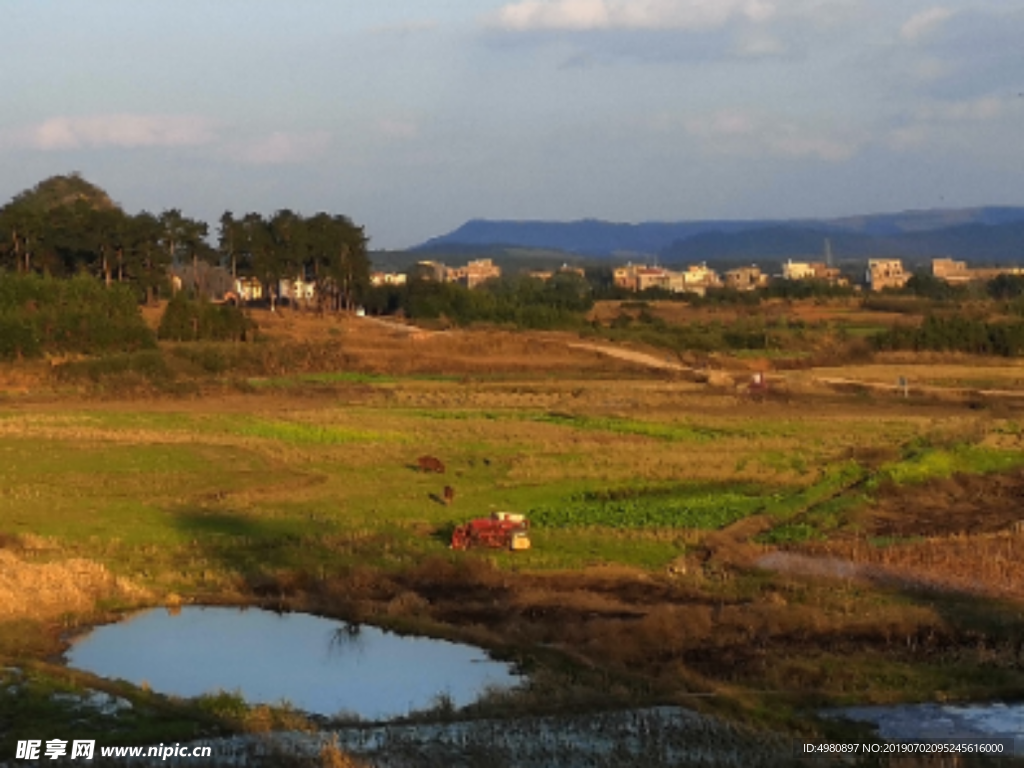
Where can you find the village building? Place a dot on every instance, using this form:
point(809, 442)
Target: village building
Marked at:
point(625, 277)
point(378, 279)
point(652, 277)
point(798, 270)
point(746, 278)
point(958, 273)
point(297, 290)
point(696, 279)
point(811, 270)
point(248, 289)
point(473, 274)
point(885, 273)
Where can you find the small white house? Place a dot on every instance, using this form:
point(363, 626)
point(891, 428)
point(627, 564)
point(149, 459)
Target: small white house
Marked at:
point(297, 290)
point(248, 289)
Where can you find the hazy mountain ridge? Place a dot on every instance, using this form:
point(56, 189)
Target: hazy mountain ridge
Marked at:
point(994, 233)
point(977, 243)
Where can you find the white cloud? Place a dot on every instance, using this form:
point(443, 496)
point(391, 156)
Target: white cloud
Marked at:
point(933, 123)
point(584, 15)
point(973, 110)
point(922, 24)
point(792, 142)
point(907, 137)
point(737, 133)
point(124, 131)
point(130, 132)
point(280, 148)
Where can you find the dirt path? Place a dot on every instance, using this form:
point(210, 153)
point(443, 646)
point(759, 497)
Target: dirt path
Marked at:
point(633, 356)
point(391, 325)
point(917, 388)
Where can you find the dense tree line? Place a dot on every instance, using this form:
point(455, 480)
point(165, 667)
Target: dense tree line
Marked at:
point(956, 334)
point(521, 301)
point(78, 315)
point(329, 251)
point(44, 232)
point(743, 334)
point(66, 226)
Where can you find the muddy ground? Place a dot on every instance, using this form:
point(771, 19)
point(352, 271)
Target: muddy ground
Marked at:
point(962, 504)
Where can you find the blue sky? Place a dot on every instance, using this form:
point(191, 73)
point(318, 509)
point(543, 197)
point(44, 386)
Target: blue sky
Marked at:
point(412, 117)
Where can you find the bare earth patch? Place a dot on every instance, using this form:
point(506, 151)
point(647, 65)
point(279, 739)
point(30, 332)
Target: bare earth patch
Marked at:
point(962, 504)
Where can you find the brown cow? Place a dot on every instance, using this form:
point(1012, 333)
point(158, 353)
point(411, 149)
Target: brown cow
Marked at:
point(430, 464)
point(449, 494)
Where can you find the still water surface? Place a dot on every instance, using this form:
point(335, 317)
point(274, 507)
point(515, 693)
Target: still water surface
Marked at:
point(318, 665)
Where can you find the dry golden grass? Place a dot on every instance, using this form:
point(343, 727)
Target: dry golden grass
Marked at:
point(332, 757)
point(987, 564)
point(970, 372)
point(810, 311)
point(41, 591)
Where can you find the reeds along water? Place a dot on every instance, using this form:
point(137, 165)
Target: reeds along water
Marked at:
point(652, 738)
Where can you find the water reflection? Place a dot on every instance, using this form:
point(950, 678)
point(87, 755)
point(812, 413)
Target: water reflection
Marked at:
point(317, 665)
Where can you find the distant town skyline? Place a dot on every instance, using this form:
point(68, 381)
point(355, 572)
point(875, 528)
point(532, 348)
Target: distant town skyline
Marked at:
point(413, 117)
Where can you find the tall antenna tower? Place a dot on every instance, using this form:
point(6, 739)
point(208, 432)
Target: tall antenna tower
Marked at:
point(828, 253)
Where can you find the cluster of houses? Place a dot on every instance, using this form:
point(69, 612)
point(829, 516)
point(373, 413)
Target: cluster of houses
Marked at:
point(889, 273)
point(472, 275)
point(698, 278)
point(217, 282)
point(475, 272)
point(880, 274)
point(957, 272)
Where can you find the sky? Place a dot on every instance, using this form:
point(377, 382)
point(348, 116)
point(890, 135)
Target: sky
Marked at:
point(413, 116)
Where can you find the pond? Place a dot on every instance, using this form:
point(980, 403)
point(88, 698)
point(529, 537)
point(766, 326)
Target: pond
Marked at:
point(318, 665)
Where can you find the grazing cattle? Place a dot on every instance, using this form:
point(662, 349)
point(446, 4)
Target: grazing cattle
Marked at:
point(449, 494)
point(430, 464)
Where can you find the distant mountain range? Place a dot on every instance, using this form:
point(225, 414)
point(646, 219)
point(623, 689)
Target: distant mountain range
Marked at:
point(990, 234)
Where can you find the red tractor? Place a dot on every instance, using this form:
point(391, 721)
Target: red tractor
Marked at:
point(502, 530)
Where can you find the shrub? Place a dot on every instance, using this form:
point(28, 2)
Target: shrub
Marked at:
point(190, 320)
point(80, 315)
point(148, 365)
point(18, 337)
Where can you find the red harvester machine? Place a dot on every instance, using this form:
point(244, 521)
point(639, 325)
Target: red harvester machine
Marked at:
point(502, 530)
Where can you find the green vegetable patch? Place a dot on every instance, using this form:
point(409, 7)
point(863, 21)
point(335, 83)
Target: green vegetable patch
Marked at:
point(680, 506)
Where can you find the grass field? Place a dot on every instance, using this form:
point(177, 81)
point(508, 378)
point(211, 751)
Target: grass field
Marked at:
point(653, 502)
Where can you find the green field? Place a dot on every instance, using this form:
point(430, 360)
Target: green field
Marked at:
point(633, 591)
point(126, 484)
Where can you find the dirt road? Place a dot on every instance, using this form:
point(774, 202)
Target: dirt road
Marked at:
point(633, 356)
